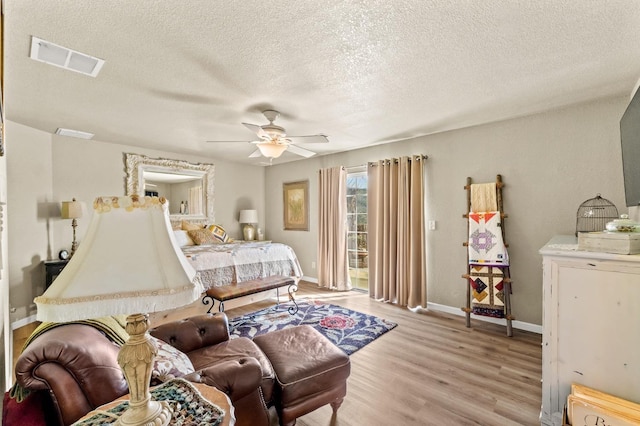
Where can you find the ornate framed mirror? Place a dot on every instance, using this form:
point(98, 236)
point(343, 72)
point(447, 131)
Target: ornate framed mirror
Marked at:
point(187, 186)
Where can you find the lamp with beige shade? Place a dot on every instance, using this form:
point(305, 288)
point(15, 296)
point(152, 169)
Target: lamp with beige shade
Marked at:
point(72, 210)
point(129, 263)
point(249, 218)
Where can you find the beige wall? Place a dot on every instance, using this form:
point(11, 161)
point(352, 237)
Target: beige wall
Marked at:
point(550, 163)
point(45, 170)
point(30, 196)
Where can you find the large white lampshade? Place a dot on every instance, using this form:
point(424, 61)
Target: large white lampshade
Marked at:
point(129, 263)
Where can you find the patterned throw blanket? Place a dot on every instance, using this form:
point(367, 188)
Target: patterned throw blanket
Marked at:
point(488, 259)
point(486, 246)
point(487, 287)
point(188, 405)
point(113, 327)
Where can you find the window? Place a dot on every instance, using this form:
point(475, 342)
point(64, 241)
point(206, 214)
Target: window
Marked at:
point(357, 250)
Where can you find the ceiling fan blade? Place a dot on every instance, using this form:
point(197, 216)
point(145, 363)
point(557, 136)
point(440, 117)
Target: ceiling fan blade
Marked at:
point(226, 141)
point(309, 139)
point(257, 130)
point(255, 154)
point(300, 151)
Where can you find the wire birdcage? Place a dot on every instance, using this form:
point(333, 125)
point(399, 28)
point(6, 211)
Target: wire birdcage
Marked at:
point(594, 214)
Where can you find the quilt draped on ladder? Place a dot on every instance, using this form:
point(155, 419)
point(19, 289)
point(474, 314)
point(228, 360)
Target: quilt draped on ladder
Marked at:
point(486, 246)
point(487, 259)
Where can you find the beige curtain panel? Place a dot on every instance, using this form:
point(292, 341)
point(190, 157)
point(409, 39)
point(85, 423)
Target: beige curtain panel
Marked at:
point(333, 271)
point(397, 253)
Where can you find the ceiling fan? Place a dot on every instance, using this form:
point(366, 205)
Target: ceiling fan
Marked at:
point(274, 140)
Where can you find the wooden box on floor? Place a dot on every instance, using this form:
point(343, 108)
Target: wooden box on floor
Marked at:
point(591, 407)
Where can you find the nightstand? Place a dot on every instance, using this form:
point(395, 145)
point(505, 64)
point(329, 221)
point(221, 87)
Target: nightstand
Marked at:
point(52, 269)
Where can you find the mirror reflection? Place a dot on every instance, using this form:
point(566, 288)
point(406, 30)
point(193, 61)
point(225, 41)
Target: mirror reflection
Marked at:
point(187, 186)
point(183, 191)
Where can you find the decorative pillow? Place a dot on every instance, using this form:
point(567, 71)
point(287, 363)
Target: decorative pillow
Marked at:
point(219, 232)
point(188, 226)
point(183, 238)
point(203, 236)
point(169, 363)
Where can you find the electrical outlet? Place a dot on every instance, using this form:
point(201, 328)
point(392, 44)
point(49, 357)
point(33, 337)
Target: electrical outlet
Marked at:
point(432, 225)
point(313, 265)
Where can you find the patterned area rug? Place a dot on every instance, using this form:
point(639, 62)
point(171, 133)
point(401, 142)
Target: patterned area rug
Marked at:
point(349, 330)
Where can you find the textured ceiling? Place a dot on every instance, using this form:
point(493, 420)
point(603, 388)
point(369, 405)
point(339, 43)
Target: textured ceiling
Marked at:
point(179, 73)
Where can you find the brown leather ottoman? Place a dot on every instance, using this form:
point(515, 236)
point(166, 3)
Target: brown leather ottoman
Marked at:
point(310, 370)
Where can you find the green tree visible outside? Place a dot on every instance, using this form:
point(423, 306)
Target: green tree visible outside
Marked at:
point(357, 228)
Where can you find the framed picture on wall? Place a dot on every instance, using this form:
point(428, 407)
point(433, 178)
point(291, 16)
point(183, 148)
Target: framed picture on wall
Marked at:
point(296, 205)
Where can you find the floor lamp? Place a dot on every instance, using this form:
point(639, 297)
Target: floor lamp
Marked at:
point(129, 263)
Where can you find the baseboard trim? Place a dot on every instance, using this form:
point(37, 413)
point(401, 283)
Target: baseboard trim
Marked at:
point(309, 279)
point(22, 322)
point(525, 326)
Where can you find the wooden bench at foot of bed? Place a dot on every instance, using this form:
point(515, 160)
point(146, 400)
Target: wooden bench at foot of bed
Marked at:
point(246, 288)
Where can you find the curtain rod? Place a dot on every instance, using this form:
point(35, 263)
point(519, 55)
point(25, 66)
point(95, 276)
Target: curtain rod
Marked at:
point(327, 168)
point(395, 160)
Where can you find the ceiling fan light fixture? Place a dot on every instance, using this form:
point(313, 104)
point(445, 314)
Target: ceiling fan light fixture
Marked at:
point(271, 150)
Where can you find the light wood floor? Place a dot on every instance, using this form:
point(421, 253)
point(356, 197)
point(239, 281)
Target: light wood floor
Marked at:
point(431, 370)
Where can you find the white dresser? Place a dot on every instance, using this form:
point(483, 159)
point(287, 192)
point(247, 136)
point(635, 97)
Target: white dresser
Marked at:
point(591, 324)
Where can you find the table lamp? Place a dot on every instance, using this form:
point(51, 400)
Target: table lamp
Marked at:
point(129, 263)
point(248, 217)
point(72, 210)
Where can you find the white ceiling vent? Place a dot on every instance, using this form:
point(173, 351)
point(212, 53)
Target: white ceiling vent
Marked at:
point(51, 53)
point(74, 133)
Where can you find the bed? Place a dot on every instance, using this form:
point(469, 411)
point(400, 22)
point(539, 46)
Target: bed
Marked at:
point(236, 262)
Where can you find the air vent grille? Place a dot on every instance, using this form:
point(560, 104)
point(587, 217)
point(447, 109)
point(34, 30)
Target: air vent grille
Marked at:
point(62, 57)
point(74, 133)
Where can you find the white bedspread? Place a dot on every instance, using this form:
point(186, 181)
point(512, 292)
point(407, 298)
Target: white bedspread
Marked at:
point(230, 263)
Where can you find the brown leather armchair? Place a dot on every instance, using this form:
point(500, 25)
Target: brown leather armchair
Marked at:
point(225, 363)
point(77, 365)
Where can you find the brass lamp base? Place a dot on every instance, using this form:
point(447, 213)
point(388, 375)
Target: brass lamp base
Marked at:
point(136, 360)
point(74, 244)
point(249, 232)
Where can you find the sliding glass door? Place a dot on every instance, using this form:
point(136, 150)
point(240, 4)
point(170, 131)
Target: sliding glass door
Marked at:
point(357, 228)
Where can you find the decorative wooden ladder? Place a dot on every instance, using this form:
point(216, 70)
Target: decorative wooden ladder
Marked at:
point(506, 274)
